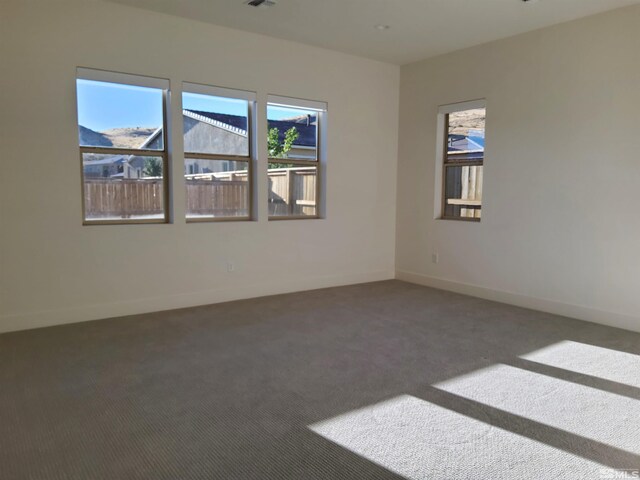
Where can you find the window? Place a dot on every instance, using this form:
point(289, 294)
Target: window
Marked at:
point(295, 157)
point(463, 160)
point(122, 137)
point(218, 146)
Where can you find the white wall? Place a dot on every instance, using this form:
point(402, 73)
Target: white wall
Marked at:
point(54, 270)
point(561, 226)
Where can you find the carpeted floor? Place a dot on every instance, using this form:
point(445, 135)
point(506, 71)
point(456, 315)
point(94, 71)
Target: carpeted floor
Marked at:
point(377, 381)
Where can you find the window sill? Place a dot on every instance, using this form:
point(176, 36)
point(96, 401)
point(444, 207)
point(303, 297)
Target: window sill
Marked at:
point(460, 219)
point(296, 217)
point(218, 219)
point(143, 221)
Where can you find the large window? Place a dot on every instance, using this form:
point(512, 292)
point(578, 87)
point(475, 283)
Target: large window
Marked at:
point(463, 160)
point(218, 146)
point(295, 157)
point(122, 137)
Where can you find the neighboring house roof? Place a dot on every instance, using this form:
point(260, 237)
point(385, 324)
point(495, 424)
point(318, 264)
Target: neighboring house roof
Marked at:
point(112, 160)
point(307, 133)
point(233, 123)
point(459, 142)
point(151, 138)
point(306, 137)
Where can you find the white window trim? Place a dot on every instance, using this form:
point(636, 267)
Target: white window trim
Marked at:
point(250, 158)
point(321, 109)
point(140, 81)
point(461, 106)
point(122, 78)
point(281, 101)
point(444, 110)
point(215, 91)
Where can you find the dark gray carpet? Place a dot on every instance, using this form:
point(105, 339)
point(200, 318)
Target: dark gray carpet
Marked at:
point(383, 380)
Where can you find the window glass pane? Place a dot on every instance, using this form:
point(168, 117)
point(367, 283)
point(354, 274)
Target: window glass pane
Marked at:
point(463, 187)
point(122, 187)
point(215, 124)
point(292, 190)
point(466, 132)
point(216, 188)
point(119, 116)
point(293, 133)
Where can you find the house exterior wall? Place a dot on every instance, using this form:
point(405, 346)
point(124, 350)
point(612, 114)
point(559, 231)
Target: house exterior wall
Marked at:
point(205, 138)
point(104, 171)
point(302, 153)
point(54, 270)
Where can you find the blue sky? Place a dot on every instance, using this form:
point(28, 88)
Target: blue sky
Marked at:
point(278, 113)
point(207, 103)
point(102, 106)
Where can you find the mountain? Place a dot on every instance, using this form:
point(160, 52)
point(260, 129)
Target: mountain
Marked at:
point(132, 137)
point(461, 122)
point(92, 138)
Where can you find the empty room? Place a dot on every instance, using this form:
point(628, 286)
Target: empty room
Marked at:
point(319, 239)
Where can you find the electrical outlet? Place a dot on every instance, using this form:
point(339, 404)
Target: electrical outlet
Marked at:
point(435, 257)
point(231, 267)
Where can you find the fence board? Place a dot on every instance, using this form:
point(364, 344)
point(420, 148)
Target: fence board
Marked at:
point(292, 191)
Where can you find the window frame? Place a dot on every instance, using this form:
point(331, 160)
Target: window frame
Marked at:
point(139, 81)
point(320, 108)
point(250, 158)
point(444, 162)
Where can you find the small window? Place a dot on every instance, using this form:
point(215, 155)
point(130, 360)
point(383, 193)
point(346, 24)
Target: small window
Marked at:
point(463, 160)
point(293, 140)
point(122, 138)
point(218, 152)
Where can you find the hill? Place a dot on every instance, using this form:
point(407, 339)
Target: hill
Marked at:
point(132, 137)
point(93, 138)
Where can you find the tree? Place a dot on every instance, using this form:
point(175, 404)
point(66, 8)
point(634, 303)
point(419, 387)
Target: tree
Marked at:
point(280, 150)
point(152, 167)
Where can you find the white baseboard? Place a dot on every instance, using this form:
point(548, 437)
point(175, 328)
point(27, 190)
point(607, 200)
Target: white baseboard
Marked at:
point(29, 320)
point(611, 319)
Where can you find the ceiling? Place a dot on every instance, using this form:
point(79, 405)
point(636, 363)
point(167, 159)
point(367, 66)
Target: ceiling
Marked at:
point(418, 28)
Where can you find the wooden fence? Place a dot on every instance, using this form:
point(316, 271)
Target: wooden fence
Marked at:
point(219, 198)
point(464, 184)
point(292, 191)
point(110, 198)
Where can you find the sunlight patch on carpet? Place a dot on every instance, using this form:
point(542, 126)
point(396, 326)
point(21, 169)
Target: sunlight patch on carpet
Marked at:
point(614, 365)
point(588, 412)
point(417, 439)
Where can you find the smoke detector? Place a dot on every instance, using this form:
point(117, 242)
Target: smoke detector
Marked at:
point(261, 3)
